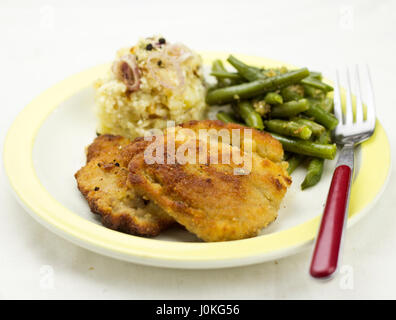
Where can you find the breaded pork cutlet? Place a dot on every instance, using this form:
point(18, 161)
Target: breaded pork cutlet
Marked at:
point(263, 143)
point(103, 182)
point(209, 199)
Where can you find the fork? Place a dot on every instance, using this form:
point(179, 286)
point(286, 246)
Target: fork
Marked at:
point(348, 133)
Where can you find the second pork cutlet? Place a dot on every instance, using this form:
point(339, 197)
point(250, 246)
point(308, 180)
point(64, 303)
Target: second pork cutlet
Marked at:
point(103, 182)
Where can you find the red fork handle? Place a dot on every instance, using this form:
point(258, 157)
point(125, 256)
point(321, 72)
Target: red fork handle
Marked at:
point(325, 257)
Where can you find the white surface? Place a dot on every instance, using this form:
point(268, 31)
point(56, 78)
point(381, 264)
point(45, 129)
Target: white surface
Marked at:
point(43, 44)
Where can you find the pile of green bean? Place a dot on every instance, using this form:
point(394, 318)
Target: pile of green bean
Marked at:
point(292, 105)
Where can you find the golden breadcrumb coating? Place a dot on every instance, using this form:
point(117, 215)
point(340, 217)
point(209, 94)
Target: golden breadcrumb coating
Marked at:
point(103, 182)
point(209, 199)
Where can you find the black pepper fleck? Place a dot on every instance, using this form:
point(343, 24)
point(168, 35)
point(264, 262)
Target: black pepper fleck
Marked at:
point(99, 165)
point(159, 63)
point(96, 188)
point(161, 41)
point(117, 164)
point(149, 47)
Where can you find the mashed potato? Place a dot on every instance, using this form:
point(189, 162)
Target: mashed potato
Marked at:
point(149, 84)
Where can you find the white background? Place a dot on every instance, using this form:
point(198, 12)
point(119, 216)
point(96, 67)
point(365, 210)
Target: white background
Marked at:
point(43, 43)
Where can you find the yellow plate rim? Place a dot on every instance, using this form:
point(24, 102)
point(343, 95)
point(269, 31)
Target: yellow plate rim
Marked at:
point(18, 164)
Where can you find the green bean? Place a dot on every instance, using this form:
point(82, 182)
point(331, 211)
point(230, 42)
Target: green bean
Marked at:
point(248, 72)
point(293, 92)
point(226, 75)
point(288, 128)
point(317, 84)
point(325, 103)
point(308, 148)
point(316, 128)
point(315, 165)
point(255, 88)
point(273, 98)
point(217, 65)
point(289, 109)
point(249, 115)
point(312, 92)
point(225, 117)
point(314, 173)
point(294, 161)
point(324, 138)
point(320, 115)
point(315, 74)
point(274, 71)
point(328, 104)
point(212, 87)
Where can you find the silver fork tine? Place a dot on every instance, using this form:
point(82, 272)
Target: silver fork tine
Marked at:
point(359, 104)
point(337, 99)
point(349, 110)
point(370, 100)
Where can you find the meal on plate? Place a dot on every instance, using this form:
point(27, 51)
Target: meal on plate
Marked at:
point(208, 199)
point(160, 161)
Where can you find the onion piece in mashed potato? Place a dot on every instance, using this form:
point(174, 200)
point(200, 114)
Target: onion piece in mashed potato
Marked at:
point(172, 55)
point(179, 51)
point(126, 70)
point(154, 69)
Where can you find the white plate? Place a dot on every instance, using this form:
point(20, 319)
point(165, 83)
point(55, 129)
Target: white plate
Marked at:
point(45, 147)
